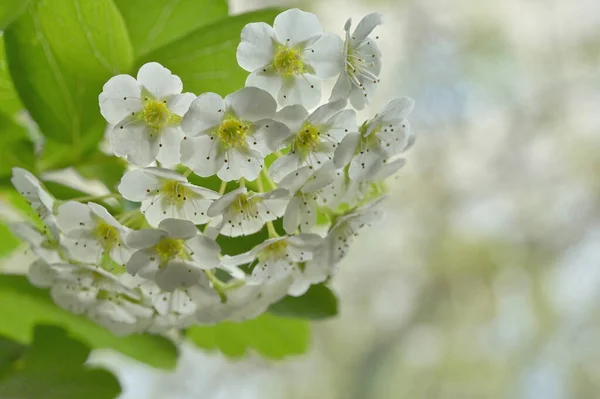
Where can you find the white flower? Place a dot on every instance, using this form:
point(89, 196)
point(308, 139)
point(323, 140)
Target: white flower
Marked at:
point(244, 213)
point(380, 138)
point(41, 274)
point(231, 135)
point(146, 113)
point(306, 185)
point(362, 63)
point(166, 194)
point(93, 233)
point(313, 138)
point(174, 255)
point(42, 244)
point(101, 296)
point(342, 233)
point(276, 258)
point(30, 187)
point(288, 59)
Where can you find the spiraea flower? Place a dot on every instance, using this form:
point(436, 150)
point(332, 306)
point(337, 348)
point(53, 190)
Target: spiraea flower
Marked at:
point(42, 243)
point(276, 258)
point(362, 59)
point(173, 255)
point(289, 59)
point(306, 186)
point(93, 233)
point(101, 296)
point(32, 190)
point(245, 213)
point(313, 138)
point(230, 136)
point(379, 139)
point(166, 194)
point(145, 113)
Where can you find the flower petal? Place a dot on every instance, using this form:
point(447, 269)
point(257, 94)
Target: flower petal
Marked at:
point(325, 56)
point(295, 26)
point(256, 49)
point(73, 216)
point(247, 164)
point(144, 262)
point(176, 228)
point(145, 238)
point(291, 217)
point(251, 104)
point(120, 96)
point(169, 147)
point(179, 104)
point(322, 114)
point(138, 185)
point(159, 81)
point(321, 178)
point(303, 89)
point(346, 149)
point(342, 87)
point(204, 114)
point(365, 27)
point(201, 155)
point(219, 206)
point(285, 165)
point(177, 274)
point(266, 80)
point(204, 251)
point(136, 141)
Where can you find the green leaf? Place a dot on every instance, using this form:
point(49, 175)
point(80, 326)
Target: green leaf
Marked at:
point(8, 241)
point(205, 59)
point(17, 148)
point(10, 352)
point(271, 336)
point(23, 306)
point(59, 55)
point(317, 303)
point(155, 23)
point(10, 10)
point(53, 368)
point(10, 103)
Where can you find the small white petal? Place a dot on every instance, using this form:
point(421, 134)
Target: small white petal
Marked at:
point(176, 228)
point(388, 169)
point(325, 56)
point(285, 165)
point(292, 116)
point(202, 155)
point(204, 251)
point(269, 136)
point(365, 27)
point(180, 103)
point(169, 147)
point(325, 112)
point(266, 80)
point(74, 216)
point(120, 96)
point(40, 274)
point(256, 49)
point(219, 206)
point(136, 141)
point(204, 114)
point(291, 217)
point(342, 87)
point(295, 26)
point(295, 180)
point(321, 178)
point(346, 149)
point(301, 89)
point(145, 238)
point(251, 104)
point(135, 184)
point(158, 80)
point(177, 274)
point(247, 165)
point(365, 165)
point(144, 262)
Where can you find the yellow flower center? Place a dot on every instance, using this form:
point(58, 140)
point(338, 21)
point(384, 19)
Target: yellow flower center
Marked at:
point(156, 114)
point(175, 192)
point(107, 235)
point(232, 132)
point(169, 248)
point(307, 138)
point(288, 62)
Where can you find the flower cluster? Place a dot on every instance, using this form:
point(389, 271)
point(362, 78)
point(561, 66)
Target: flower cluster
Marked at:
point(169, 250)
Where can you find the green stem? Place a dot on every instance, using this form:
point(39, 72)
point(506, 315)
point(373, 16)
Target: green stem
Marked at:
point(242, 182)
point(222, 188)
point(217, 284)
point(187, 172)
point(271, 230)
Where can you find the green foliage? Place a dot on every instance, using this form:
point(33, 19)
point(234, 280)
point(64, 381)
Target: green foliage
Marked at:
point(17, 148)
point(271, 336)
point(205, 58)
point(53, 368)
point(10, 352)
point(317, 303)
point(9, 99)
point(30, 306)
point(8, 242)
point(156, 23)
point(59, 56)
point(10, 10)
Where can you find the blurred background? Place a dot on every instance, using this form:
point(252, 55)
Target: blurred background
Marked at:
point(484, 279)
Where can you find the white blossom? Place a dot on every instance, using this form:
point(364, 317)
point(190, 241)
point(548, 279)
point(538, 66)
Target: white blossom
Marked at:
point(93, 233)
point(166, 194)
point(306, 186)
point(146, 113)
point(380, 138)
point(42, 243)
point(245, 213)
point(173, 255)
point(30, 187)
point(313, 137)
point(276, 258)
point(290, 58)
point(362, 58)
point(230, 136)
point(101, 296)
